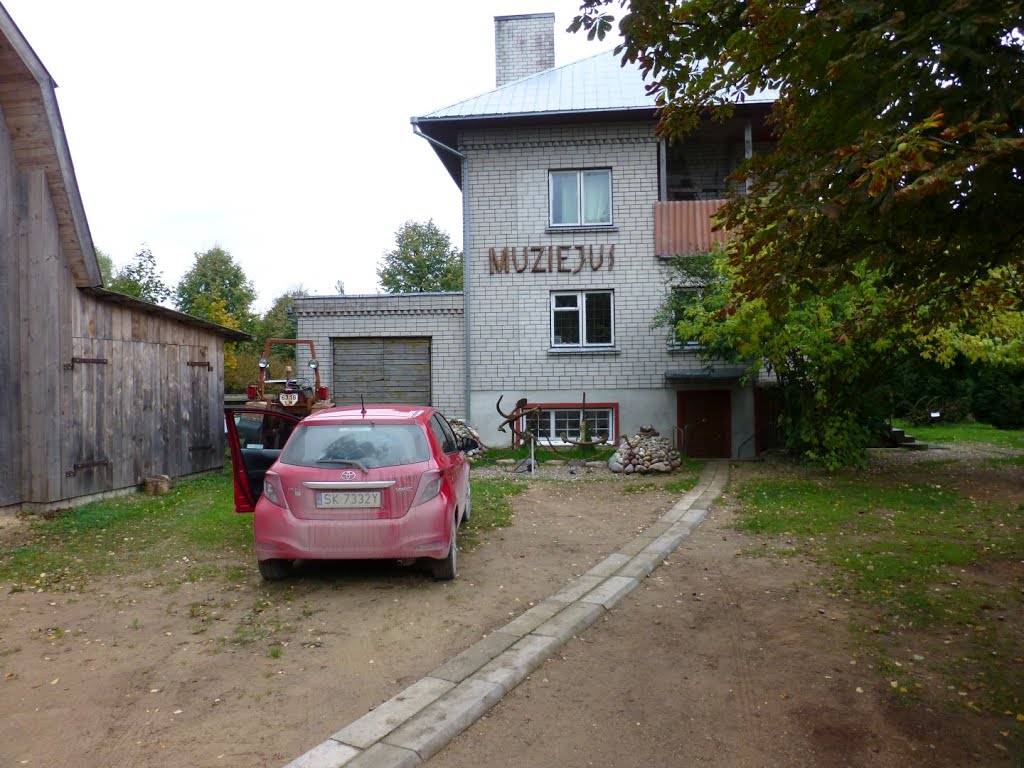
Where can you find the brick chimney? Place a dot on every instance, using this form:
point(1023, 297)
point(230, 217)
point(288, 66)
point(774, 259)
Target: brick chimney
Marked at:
point(523, 46)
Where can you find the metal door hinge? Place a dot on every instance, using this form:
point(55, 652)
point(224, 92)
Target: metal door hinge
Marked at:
point(86, 465)
point(83, 360)
point(200, 364)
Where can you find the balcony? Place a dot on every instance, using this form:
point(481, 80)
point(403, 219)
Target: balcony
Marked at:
point(685, 226)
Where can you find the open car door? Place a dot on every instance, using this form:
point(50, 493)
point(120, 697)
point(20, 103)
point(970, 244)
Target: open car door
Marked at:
point(255, 437)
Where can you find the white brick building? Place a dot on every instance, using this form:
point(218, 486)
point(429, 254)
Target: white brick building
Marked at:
point(561, 172)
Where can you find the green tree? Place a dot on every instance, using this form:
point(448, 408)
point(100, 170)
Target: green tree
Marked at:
point(141, 279)
point(216, 288)
point(900, 144)
point(106, 266)
point(884, 222)
point(423, 260)
point(276, 323)
point(834, 395)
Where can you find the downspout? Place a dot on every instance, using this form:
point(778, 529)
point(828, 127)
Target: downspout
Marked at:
point(465, 262)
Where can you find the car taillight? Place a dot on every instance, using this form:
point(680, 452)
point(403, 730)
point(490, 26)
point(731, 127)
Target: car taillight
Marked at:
point(430, 486)
point(250, 391)
point(272, 490)
point(321, 393)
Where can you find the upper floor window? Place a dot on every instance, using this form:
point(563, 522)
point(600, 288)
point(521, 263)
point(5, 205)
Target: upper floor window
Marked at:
point(581, 319)
point(581, 198)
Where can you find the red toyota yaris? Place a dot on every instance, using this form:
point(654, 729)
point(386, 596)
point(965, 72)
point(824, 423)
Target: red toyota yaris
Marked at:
point(380, 482)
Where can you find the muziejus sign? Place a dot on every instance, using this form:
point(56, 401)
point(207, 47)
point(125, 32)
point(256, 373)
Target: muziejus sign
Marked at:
point(570, 259)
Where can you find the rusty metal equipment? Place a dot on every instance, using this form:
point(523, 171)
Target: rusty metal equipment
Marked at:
point(292, 393)
point(520, 415)
point(586, 439)
point(512, 419)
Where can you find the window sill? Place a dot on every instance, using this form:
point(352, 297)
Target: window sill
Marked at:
point(672, 347)
point(581, 228)
point(584, 351)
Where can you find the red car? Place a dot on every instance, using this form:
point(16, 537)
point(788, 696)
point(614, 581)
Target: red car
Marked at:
point(380, 482)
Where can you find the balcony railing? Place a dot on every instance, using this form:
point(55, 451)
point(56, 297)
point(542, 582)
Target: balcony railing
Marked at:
point(685, 226)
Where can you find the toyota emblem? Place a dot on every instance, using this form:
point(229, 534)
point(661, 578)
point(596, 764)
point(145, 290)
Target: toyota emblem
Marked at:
point(348, 474)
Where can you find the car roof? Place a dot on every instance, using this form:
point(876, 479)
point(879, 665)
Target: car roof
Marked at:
point(377, 413)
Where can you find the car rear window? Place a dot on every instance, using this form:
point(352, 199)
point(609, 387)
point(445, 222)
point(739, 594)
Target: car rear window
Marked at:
point(357, 445)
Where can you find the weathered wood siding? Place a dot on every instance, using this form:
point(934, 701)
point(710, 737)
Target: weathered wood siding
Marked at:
point(10, 312)
point(153, 405)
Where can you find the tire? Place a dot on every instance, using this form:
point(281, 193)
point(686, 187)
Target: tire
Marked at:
point(275, 569)
point(445, 569)
point(469, 508)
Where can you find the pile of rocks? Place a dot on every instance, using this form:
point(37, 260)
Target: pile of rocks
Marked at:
point(462, 429)
point(644, 452)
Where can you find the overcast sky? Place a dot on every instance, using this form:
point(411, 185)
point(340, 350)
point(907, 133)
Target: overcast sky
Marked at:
point(278, 130)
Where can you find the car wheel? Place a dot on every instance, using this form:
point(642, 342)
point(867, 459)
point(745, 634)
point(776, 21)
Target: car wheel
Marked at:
point(468, 509)
point(444, 570)
point(275, 569)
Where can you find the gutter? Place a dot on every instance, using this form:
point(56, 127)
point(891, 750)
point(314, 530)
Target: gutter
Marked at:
point(466, 312)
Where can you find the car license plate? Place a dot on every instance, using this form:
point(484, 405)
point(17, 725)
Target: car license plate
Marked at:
point(347, 499)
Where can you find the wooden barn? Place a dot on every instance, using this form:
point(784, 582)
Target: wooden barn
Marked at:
point(99, 390)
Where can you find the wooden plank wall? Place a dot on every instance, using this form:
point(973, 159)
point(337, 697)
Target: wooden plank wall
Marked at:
point(146, 411)
point(10, 313)
point(42, 323)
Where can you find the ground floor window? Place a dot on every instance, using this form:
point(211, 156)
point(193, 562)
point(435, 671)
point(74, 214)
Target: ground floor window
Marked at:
point(557, 424)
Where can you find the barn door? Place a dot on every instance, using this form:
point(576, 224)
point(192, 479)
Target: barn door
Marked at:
point(705, 417)
point(87, 455)
point(200, 443)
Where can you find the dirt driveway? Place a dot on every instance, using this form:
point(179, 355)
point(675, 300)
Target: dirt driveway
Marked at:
point(156, 671)
point(718, 659)
point(724, 660)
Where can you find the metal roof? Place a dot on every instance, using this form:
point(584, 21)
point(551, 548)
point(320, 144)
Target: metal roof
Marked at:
point(594, 84)
point(600, 83)
point(596, 88)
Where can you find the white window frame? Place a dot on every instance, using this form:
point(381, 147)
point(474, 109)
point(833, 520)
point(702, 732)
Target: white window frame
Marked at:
point(581, 314)
point(550, 415)
point(580, 207)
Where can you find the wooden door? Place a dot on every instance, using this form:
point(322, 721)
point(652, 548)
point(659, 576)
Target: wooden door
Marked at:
point(705, 416)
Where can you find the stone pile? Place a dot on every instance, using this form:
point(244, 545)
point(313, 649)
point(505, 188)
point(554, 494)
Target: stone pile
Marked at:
point(644, 452)
point(462, 429)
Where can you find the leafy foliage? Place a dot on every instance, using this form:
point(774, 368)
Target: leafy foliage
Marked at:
point(885, 219)
point(276, 322)
point(140, 279)
point(216, 289)
point(106, 266)
point(900, 143)
point(832, 386)
point(423, 260)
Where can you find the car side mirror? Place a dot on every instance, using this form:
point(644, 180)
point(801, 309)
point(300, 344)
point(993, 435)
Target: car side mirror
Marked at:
point(468, 444)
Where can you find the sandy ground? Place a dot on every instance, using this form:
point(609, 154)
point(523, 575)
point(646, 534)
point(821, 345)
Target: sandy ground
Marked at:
point(726, 660)
point(718, 659)
point(137, 673)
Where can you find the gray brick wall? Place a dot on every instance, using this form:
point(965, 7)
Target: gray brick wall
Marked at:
point(508, 208)
point(437, 315)
point(523, 46)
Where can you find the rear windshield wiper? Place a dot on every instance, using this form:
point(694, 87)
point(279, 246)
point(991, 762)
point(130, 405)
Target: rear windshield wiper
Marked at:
point(349, 462)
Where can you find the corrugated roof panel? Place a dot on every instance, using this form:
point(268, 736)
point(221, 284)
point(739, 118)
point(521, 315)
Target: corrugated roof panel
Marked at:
point(599, 83)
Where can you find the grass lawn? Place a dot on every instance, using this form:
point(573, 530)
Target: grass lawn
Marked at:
point(965, 432)
point(194, 526)
point(931, 573)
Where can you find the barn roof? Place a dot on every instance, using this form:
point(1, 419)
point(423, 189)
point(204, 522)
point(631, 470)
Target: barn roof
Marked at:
point(157, 310)
point(33, 120)
point(29, 103)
